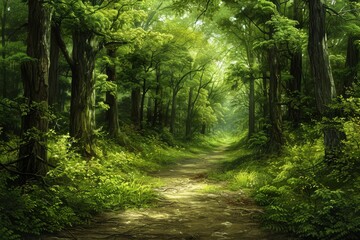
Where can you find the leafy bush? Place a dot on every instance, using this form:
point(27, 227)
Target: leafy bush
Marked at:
point(311, 199)
point(31, 209)
point(77, 188)
point(258, 141)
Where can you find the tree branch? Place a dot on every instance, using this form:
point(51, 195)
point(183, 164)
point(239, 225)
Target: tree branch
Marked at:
point(59, 40)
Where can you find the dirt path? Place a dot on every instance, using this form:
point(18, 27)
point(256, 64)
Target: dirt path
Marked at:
point(185, 211)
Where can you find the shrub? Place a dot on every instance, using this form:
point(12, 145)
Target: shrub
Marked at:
point(311, 199)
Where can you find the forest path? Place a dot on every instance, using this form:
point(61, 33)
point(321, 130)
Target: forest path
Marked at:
point(185, 210)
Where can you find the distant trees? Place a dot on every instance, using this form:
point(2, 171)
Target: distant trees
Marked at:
point(272, 34)
point(266, 38)
point(165, 67)
point(136, 63)
point(93, 26)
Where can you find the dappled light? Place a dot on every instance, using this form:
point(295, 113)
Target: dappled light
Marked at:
point(179, 119)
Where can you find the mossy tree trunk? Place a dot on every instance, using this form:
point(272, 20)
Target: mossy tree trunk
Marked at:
point(325, 90)
point(82, 120)
point(35, 77)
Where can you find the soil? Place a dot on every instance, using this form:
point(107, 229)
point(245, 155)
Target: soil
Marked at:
point(185, 210)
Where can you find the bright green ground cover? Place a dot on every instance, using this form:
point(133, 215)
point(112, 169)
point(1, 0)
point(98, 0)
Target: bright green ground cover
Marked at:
point(78, 188)
point(301, 193)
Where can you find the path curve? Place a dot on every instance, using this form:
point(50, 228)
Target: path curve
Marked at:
point(185, 211)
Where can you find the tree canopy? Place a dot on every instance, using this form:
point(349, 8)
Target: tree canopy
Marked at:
point(280, 75)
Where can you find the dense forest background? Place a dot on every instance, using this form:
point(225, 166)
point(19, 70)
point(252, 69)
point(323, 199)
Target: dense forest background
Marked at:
point(95, 94)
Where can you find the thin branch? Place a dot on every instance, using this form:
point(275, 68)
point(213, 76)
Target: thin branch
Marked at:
point(62, 45)
point(204, 11)
point(253, 22)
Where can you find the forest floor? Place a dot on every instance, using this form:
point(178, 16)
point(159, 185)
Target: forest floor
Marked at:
point(190, 207)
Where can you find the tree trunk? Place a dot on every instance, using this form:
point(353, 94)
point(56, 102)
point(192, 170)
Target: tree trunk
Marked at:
point(173, 111)
point(3, 45)
point(135, 107)
point(352, 57)
point(251, 106)
point(265, 105)
point(276, 137)
point(35, 74)
point(161, 109)
point(149, 112)
point(322, 75)
point(142, 103)
point(189, 115)
point(294, 88)
point(82, 92)
point(157, 102)
point(203, 128)
point(54, 92)
point(351, 64)
point(166, 114)
point(112, 114)
point(294, 85)
point(156, 106)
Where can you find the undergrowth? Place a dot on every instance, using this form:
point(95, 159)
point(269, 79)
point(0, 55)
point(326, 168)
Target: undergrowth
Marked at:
point(78, 188)
point(301, 193)
point(310, 197)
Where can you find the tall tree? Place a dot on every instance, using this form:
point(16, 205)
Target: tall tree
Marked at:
point(35, 74)
point(296, 62)
point(352, 52)
point(54, 91)
point(325, 90)
point(4, 17)
point(112, 115)
point(93, 25)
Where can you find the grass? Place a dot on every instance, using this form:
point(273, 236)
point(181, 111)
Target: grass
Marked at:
point(211, 188)
point(241, 170)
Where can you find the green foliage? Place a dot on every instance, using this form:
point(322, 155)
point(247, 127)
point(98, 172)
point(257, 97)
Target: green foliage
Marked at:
point(10, 112)
point(286, 35)
point(311, 199)
point(286, 32)
point(77, 188)
point(241, 169)
point(31, 209)
point(258, 141)
point(113, 180)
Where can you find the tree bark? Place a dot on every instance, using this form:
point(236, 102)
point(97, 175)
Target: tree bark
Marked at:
point(265, 105)
point(294, 85)
point(351, 64)
point(3, 45)
point(112, 114)
point(166, 114)
point(82, 120)
point(135, 107)
point(142, 103)
point(149, 111)
point(251, 105)
point(173, 111)
point(276, 136)
point(352, 57)
point(156, 121)
point(322, 75)
point(189, 115)
point(35, 77)
point(54, 92)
